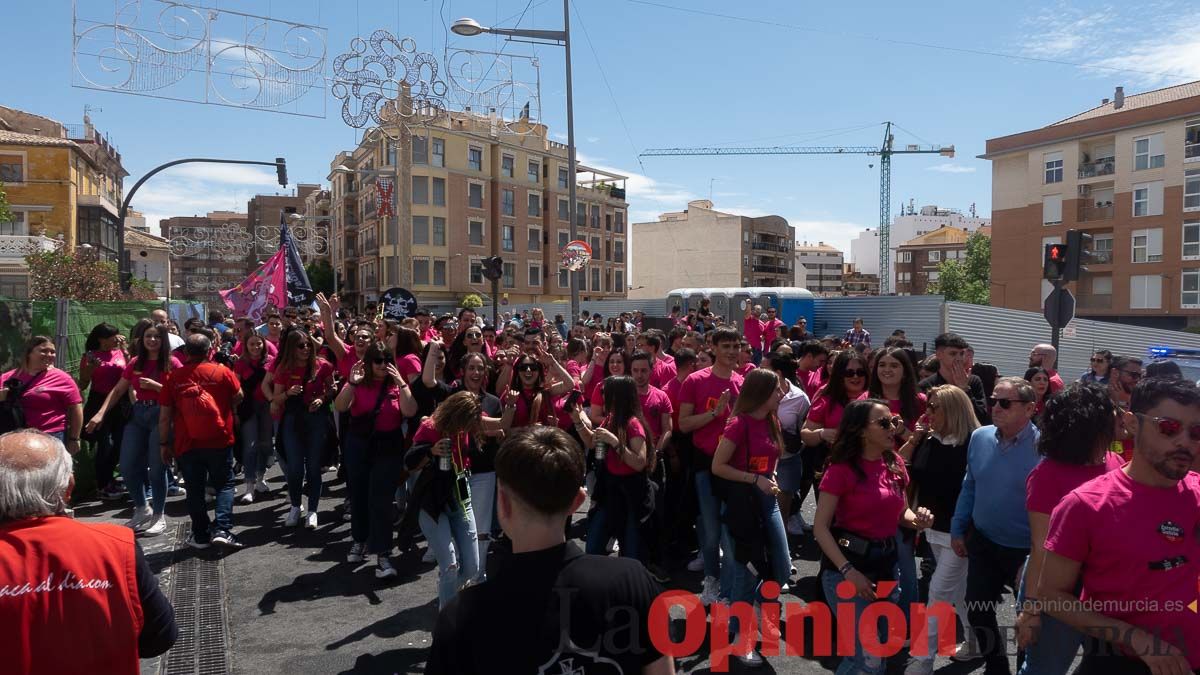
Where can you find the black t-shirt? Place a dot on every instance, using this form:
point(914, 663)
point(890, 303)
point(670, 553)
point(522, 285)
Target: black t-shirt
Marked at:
point(937, 471)
point(512, 622)
point(428, 398)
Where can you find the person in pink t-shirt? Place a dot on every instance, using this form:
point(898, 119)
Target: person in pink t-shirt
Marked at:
point(99, 371)
point(862, 501)
point(1130, 537)
point(256, 428)
point(770, 328)
point(753, 328)
point(847, 382)
point(301, 390)
point(48, 396)
point(1077, 430)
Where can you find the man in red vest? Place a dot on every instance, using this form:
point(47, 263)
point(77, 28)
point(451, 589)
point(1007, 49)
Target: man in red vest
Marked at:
point(60, 577)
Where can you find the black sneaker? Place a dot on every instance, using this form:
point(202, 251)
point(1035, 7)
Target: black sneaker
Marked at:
point(227, 539)
point(197, 544)
point(658, 573)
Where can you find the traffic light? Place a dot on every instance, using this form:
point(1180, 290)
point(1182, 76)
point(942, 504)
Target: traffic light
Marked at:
point(1055, 263)
point(1079, 253)
point(493, 267)
point(281, 171)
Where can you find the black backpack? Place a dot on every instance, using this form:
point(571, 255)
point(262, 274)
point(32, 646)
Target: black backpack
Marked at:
point(12, 415)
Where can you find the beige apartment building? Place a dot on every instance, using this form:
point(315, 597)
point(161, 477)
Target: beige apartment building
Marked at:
point(1128, 173)
point(700, 247)
point(918, 259)
point(469, 187)
point(819, 268)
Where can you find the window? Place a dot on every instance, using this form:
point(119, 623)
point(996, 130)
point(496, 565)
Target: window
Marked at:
point(420, 149)
point(439, 272)
point(439, 191)
point(1148, 152)
point(420, 271)
point(506, 165)
point(619, 251)
point(475, 159)
point(595, 216)
point(439, 152)
point(952, 255)
point(1191, 240)
point(390, 157)
point(1148, 198)
point(1190, 292)
point(608, 281)
point(1101, 285)
point(1052, 210)
point(1191, 144)
point(534, 208)
point(1147, 245)
point(580, 214)
point(933, 275)
point(564, 280)
point(507, 238)
point(620, 280)
point(608, 222)
point(475, 232)
point(16, 226)
point(535, 239)
point(608, 250)
point(563, 176)
point(534, 172)
point(904, 276)
point(507, 202)
point(535, 275)
point(1145, 292)
point(595, 247)
point(420, 230)
point(420, 189)
point(935, 256)
point(620, 218)
point(476, 272)
point(475, 196)
point(12, 168)
point(564, 238)
point(510, 275)
point(904, 256)
point(596, 279)
point(1054, 167)
point(564, 209)
point(439, 231)
point(1191, 190)
point(1102, 247)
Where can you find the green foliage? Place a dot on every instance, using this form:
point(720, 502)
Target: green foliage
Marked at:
point(320, 275)
point(55, 275)
point(967, 279)
point(5, 214)
point(471, 301)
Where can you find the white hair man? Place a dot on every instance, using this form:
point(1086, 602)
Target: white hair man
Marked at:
point(60, 577)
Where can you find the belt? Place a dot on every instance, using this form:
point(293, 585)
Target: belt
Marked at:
point(146, 403)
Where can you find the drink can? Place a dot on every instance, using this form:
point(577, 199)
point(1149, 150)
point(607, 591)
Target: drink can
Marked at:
point(600, 450)
point(445, 463)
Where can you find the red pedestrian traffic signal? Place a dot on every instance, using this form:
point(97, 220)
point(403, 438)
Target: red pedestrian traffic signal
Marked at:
point(1055, 262)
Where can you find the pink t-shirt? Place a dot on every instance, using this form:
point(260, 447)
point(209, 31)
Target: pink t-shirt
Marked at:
point(870, 507)
point(573, 369)
point(346, 364)
point(745, 431)
point(45, 403)
point(107, 373)
point(1052, 480)
point(810, 380)
point(612, 462)
point(703, 389)
point(894, 406)
point(752, 328)
point(769, 331)
point(546, 414)
point(134, 371)
point(672, 392)
point(272, 350)
point(594, 383)
point(244, 370)
point(409, 364)
point(314, 387)
point(1129, 538)
point(654, 403)
point(663, 372)
point(827, 413)
point(745, 368)
point(427, 433)
point(365, 395)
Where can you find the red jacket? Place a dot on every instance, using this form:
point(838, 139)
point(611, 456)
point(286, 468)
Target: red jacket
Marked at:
point(68, 598)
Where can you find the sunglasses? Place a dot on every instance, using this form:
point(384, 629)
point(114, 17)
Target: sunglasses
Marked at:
point(363, 337)
point(528, 368)
point(1005, 403)
point(1099, 360)
point(856, 372)
point(1171, 427)
point(474, 336)
point(379, 360)
point(303, 345)
point(888, 422)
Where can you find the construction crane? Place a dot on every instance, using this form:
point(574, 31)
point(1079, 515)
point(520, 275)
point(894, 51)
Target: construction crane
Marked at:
point(884, 152)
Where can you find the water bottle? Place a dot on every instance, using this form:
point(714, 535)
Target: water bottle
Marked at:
point(600, 451)
point(445, 462)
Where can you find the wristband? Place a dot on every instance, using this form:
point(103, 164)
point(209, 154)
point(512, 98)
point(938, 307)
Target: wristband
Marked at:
point(72, 440)
point(845, 568)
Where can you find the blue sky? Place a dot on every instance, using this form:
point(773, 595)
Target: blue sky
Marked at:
point(761, 73)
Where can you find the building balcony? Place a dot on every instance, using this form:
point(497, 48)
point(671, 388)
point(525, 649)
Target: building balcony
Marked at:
point(1106, 166)
point(107, 201)
point(1101, 258)
point(1090, 214)
point(17, 246)
point(771, 269)
point(767, 246)
point(1094, 301)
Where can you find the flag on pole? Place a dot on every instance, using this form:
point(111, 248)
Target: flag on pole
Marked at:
point(299, 290)
point(265, 288)
point(385, 190)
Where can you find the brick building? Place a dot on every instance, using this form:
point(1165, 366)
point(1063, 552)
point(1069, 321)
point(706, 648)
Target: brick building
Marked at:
point(917, 259)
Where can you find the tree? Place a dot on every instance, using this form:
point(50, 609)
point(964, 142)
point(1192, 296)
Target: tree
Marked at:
point(967, 279)
point(5, 214)
point(471, 301)
point(55, 275)
point(320, 275)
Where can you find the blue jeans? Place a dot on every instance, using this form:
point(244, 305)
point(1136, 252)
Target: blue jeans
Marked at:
point(598, 533)
point(483, 503)
point(303, 441)
point(213, 467)
point(454, 526)
point(907, 574)
point(1056, 646)
point(372, 481)
point(745, 584)
point(139, 450)
point(861, 662)
point(256, 441)
point(708, 531)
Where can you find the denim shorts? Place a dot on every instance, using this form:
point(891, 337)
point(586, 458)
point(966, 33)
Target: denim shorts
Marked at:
point(789, 472)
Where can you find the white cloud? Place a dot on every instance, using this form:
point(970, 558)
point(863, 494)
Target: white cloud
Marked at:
point(648, 196)
point(837, 233)
point(558, 136)
point(951, 167)
point(593, 139)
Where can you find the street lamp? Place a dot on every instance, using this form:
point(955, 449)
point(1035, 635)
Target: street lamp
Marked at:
point(470, 27)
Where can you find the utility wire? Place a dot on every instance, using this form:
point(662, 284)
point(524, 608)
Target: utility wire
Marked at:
point(603, 76)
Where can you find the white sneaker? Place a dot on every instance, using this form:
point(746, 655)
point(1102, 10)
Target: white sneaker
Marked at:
point(293, 517)
point(153, 527)
point(965, 652)
point(248, 496)
point(709, 591)
point(796, 524)
point(311, 521)
point(919, 667)
point(356, 552)
point(751, 659)
point(140, 517)
point(261, 486)
point(696, 565)
point(383, 567)
point(613, 546)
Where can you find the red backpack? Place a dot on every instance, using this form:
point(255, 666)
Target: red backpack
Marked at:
point(197, 408)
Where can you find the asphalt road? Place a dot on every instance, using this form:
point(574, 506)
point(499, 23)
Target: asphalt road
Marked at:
point(294, 605)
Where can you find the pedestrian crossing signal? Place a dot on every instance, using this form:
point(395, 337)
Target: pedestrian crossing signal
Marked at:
point(1055, 262)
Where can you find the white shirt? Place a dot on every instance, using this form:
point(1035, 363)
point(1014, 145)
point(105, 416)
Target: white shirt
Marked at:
point(793, 409)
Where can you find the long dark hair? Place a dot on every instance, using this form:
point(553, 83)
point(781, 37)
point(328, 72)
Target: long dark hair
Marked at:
point(620, 402)
point(1034, 372)
point(163, 357)
point(835, 388)
point(623, 355)
point(517, 385)
point(286, 359)
point(1076, 423)
point(101, 331)
point(377, 350)
point(848, 448)
point(909, 403)
point(264, 352)
point(466, 361)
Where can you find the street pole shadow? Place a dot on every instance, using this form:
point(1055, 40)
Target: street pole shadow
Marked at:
point(340, 580)
point(419, 618)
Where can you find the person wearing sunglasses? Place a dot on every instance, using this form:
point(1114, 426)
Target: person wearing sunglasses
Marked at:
point(991, 526)
point(468, 341)
point(1077, 431)
point(847, 382)
point(1123, 377)
point(1101, 364)
point(862, 502)
point(950, 352)
point(536, 392)
point(302, 384)
point(1127, 539)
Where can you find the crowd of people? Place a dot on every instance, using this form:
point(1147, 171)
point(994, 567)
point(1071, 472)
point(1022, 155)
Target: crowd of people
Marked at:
point(694, 446)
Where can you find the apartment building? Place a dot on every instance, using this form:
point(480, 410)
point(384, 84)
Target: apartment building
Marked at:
point(909, 223)
point(855, 282)
point(468, 187)
point(819, 268)
point(918, 259)
point(700, 247)
point(1128, 173)
point(264, 213)
point(209, 253)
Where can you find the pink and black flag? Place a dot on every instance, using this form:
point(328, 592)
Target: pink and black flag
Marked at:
point(265, 288)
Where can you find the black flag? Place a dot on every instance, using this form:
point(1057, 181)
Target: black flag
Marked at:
point(299, 290)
